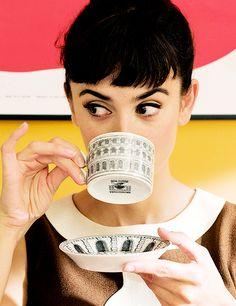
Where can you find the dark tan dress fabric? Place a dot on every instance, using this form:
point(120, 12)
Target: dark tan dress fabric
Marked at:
point(55, 280)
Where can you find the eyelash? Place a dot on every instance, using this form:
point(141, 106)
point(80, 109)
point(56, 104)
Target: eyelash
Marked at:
point(91, 105)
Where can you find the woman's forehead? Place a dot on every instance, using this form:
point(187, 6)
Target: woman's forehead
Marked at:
point(106, 86)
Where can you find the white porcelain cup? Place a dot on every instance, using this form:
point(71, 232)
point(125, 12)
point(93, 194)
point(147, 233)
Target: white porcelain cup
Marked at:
point(120, 168)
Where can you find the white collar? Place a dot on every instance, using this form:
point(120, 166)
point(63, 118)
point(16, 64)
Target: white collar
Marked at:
point(194, 220)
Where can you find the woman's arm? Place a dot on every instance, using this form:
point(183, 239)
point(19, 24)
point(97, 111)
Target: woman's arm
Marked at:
point(15, 293)
point(8, 242)
point(28, 187)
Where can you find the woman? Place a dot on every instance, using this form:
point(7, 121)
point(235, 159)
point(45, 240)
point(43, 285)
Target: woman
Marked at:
point(128, 68)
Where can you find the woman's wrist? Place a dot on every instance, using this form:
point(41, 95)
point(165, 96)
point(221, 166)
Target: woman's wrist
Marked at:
point(9, 232)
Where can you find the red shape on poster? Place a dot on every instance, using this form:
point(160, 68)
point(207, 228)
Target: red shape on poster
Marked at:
point(29, 29)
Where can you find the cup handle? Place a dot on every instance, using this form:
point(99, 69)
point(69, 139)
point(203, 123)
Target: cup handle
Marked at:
point(85, 173)
point(85, 156)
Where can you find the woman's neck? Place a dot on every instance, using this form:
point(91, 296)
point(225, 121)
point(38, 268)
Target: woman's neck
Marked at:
point(168, 199)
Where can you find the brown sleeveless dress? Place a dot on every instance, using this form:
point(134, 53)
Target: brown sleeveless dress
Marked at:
point(55, 280)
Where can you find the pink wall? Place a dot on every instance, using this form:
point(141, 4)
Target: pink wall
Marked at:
point(28, 30)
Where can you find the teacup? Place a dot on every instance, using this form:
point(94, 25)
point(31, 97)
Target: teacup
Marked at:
point(120, 168)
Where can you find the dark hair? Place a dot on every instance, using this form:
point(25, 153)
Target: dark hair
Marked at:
point(135, 41)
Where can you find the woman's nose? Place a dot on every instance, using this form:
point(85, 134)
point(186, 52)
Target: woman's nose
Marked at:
point(123, 123)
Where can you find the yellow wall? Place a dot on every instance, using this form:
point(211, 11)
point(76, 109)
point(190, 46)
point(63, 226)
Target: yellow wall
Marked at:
point(205, 153)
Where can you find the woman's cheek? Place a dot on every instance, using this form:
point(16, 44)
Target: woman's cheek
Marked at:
point(89, 129)
point(164, 142)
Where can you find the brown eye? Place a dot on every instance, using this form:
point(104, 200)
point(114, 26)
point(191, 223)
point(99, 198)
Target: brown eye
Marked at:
point(96, 109)
point(148, 109)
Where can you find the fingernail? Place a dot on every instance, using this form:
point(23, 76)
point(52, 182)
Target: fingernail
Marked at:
point(83, 176)
point(129, 268)
point(85, 157)
point(80, 162)
point(24, 123)
point(70, 152)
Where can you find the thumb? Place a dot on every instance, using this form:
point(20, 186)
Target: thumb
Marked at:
point(55, 178)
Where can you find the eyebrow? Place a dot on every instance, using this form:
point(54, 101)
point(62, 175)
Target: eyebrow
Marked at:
point(106, 98)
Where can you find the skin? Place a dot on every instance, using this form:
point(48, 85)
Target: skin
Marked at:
point(169, 196)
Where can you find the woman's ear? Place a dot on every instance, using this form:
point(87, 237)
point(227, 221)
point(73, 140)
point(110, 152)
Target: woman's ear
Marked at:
point(187, 103)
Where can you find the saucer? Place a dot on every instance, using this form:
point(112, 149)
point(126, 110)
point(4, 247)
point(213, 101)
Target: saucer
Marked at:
point(108, 253)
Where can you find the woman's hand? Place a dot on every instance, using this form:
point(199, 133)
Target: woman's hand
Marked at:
point(27, 185)
point(195, 283)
